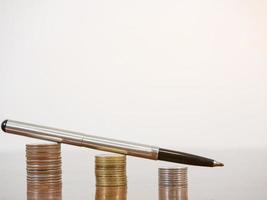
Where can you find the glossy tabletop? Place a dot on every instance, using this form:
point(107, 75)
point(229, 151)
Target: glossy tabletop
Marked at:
point(244, 176)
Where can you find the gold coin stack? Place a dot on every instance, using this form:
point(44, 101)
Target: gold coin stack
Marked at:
point(44, 171)
point(111, 178)
point(173, 184)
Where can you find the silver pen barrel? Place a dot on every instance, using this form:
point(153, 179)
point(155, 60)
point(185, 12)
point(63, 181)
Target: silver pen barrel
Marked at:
point(80, 139)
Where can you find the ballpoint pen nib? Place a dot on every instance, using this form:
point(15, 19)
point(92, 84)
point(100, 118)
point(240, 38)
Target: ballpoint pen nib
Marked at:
point(217, 164)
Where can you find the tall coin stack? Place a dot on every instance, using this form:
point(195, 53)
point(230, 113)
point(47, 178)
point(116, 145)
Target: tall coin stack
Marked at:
point(44, 171)
point(111, 178)
point(173, 184)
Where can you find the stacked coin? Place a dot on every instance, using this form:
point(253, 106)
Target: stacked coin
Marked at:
point(43, 171)
point(111, 178)
point(173, 184)
point(110, 170)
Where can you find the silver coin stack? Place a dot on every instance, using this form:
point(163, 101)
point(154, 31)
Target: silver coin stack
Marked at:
point(173, 184)
point(44, 172)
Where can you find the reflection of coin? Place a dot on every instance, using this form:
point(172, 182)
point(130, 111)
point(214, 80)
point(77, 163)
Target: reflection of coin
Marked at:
point(173, 184)
point(46, 196)
point(43, 171)
point(111, 193)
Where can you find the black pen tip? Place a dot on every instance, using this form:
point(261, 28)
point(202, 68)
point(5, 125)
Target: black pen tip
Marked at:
point(185, 158)
point(3, 126)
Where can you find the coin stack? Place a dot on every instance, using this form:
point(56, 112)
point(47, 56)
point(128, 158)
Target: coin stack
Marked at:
point(111, 179)
point(44, 171)
point(173, 184)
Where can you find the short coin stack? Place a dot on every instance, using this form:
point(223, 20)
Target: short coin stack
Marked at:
point(173, 184)
point(44, 171)
point(111, 178)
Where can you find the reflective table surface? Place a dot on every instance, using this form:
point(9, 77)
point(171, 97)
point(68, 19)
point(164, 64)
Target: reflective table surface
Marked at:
point(244, 176)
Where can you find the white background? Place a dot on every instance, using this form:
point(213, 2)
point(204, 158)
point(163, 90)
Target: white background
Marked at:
point(187, 74)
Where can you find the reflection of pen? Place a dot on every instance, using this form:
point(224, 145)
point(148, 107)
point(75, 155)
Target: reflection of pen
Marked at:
point(105, 144)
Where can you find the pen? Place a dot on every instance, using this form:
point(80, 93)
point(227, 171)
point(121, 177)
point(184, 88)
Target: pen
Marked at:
point(105, 144)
